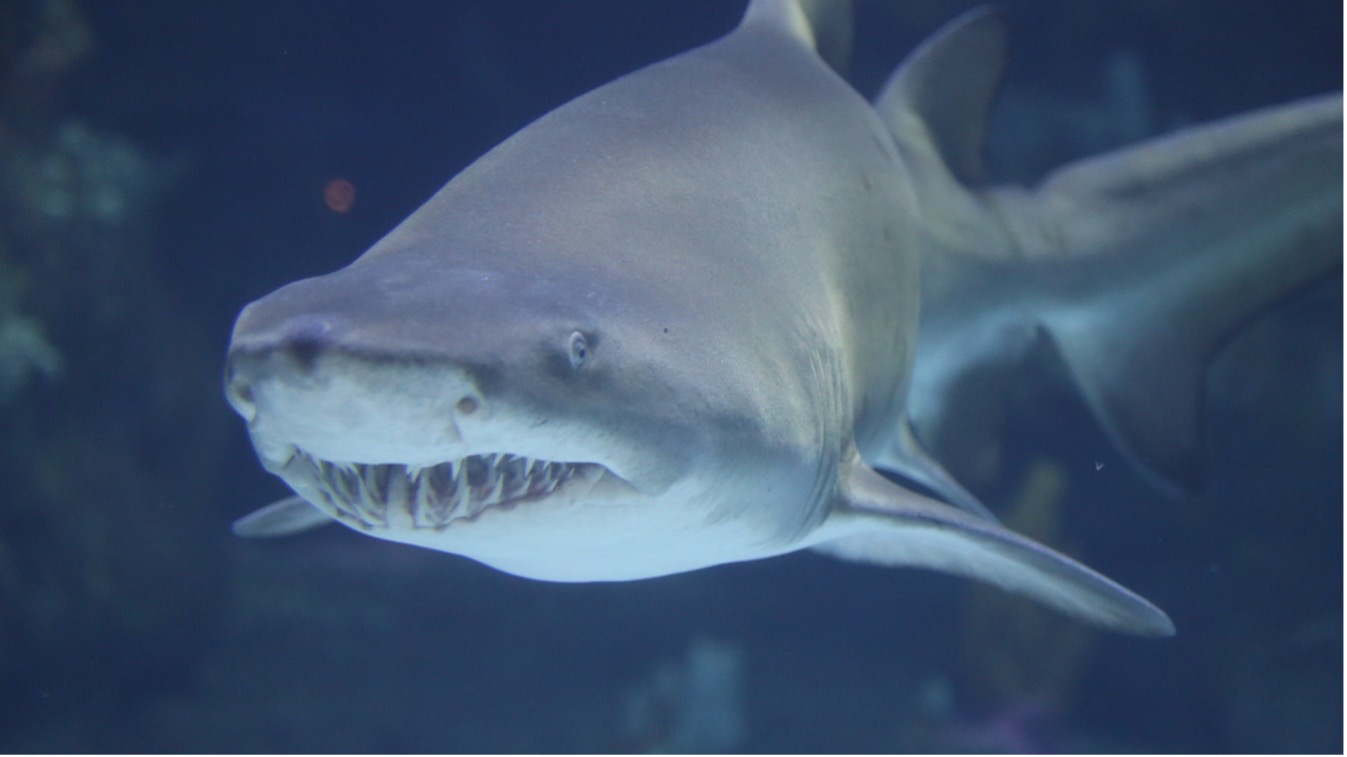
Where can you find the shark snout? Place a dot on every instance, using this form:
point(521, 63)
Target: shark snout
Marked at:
point(280, 362)
point(340, 405)
point(239, 392)
point(265, 347)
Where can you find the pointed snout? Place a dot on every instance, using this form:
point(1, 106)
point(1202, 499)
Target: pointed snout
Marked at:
point(401, 362)
point(309, 381)
point(315, 334)
point(247, 374)
point(265, 348)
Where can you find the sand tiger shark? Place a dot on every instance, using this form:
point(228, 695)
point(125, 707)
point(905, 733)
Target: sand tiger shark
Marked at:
point(687, 318)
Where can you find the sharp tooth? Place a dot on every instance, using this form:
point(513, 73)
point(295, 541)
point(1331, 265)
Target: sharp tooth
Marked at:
point(440, 479)
point(462, 496)
point(382, 475)
point(446, 500)
point(424, 496)
point(477, 472)
point(397, 488)
point(513, 473)
point(343, 476)
point(424, 512)
point(412, 504)
point(368, 500)
point(358, 476)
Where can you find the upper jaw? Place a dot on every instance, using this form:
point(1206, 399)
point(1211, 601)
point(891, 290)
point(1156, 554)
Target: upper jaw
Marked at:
point(395, 445)
point(376, 496)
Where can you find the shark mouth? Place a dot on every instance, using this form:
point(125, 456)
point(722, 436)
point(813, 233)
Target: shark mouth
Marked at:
point(436, 496)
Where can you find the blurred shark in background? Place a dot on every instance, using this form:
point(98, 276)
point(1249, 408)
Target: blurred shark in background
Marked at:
point(686, 318)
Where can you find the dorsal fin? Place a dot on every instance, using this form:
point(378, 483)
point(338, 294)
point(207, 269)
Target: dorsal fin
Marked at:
point(823, 25)
point(948, 84)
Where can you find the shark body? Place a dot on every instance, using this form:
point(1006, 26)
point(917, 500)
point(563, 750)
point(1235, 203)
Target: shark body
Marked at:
point(682, 320)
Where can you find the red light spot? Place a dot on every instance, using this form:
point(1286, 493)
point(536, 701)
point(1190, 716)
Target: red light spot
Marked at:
point(339, 195)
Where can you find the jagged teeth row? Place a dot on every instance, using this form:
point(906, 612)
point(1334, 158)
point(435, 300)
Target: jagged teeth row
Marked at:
point(433, 495)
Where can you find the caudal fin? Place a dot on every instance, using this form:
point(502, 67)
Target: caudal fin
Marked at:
point(1135, 265)
point(1143, 261)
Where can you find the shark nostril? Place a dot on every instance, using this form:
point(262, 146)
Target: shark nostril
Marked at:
point(307, 338)
point(306, 350)
point(468, 405)
point(240, 396)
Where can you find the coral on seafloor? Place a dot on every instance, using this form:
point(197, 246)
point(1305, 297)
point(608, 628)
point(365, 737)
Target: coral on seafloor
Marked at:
point(692, 705)
point(1014, 653)
point(108, 576)
point(24, 352)
point(1020, 664)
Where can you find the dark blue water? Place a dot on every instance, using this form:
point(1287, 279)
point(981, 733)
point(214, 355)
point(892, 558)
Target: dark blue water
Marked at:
point(165, 162)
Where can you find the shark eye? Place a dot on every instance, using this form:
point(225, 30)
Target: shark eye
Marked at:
point(579, 349)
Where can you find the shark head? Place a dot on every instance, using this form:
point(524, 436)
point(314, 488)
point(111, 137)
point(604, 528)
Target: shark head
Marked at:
point(536, 422)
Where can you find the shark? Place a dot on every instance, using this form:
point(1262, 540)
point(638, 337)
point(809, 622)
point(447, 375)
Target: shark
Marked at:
point(719, 309)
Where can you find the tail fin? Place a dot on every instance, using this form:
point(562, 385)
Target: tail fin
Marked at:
point(1136, 265)
point(1149, 257)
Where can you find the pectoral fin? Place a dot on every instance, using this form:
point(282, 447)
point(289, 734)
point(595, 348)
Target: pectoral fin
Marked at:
point(291, 515)
point(877, 521)
point(906, 457)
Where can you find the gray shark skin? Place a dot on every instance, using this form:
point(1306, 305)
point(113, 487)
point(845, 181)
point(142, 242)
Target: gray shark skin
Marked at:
point(681, 320)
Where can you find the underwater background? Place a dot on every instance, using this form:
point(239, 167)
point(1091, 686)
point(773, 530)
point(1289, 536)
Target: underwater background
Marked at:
point(163, 162)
